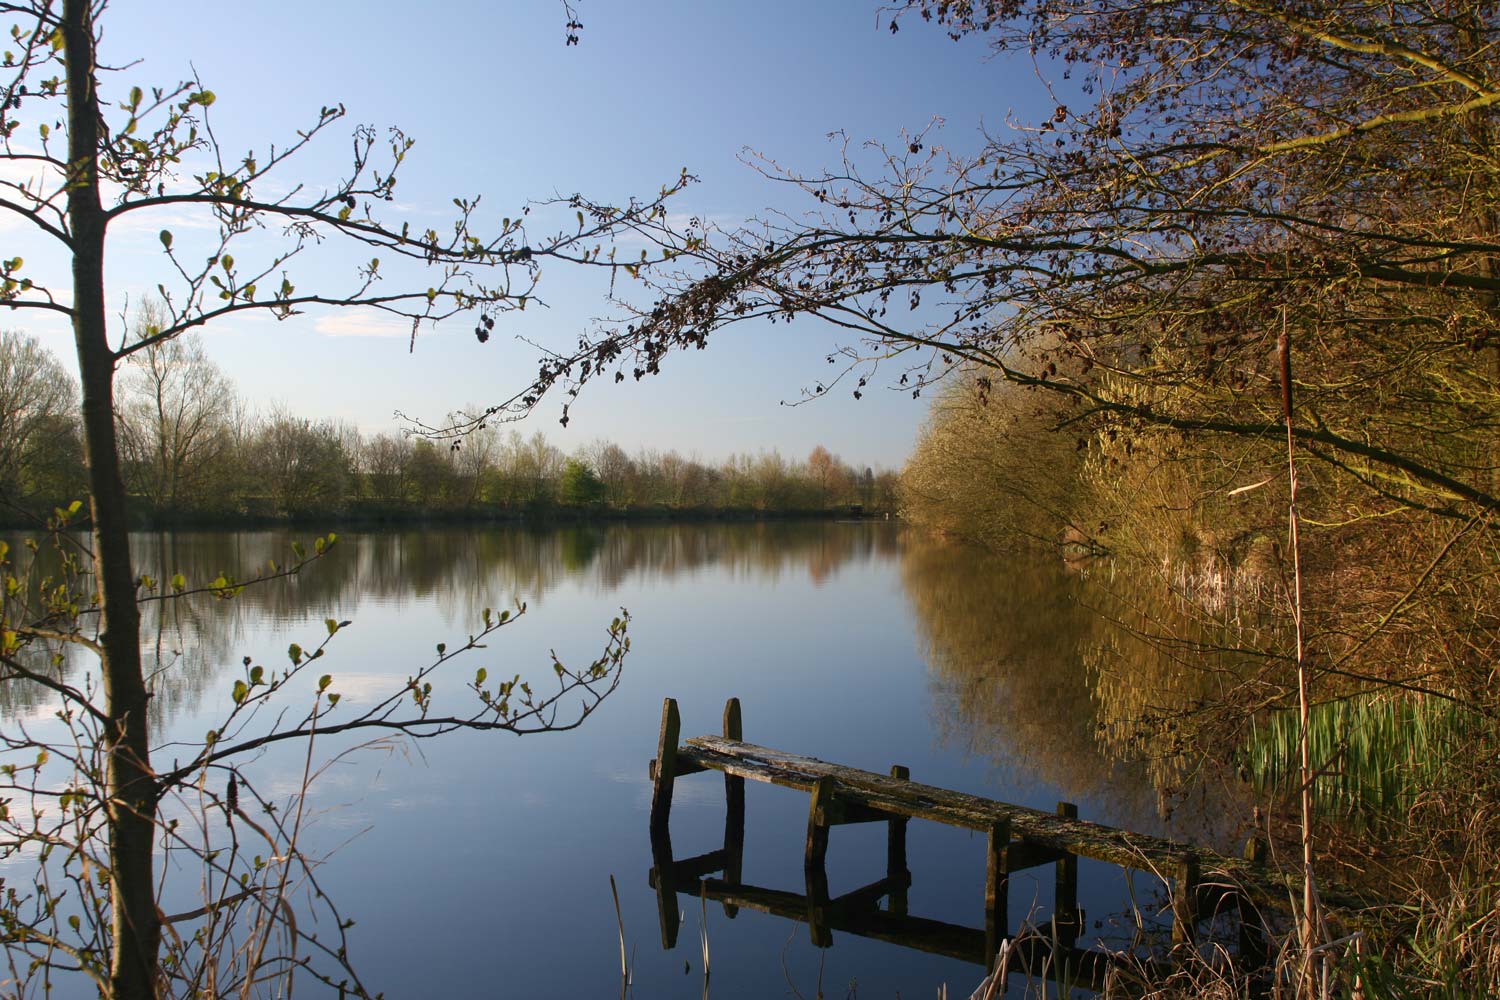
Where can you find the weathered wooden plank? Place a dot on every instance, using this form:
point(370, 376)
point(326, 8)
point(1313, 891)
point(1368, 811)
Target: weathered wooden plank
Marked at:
point(913, 799)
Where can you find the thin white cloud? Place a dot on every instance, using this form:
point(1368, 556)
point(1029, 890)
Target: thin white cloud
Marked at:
point(349, 323)
point(154, 220)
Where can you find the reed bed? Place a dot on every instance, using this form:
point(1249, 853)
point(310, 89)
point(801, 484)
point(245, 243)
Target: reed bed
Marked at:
point(1374, 754)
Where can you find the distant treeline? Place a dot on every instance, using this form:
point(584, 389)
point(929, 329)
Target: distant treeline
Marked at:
point(194, 452)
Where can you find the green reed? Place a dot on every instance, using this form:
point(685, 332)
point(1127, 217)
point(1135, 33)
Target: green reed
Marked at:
point(1373, 753)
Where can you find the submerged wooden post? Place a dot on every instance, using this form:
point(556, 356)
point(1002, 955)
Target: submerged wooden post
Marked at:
point(817, 824)
point(895, 852)
point(817, 907)
point(1185, 899)
point(997, 890)
point(667, 913)
point(734, 808)
point(1254, 945)
point(1066, 919)
point(664, 767)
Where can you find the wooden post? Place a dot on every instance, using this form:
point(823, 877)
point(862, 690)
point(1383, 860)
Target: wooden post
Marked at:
point(997, 890)
point(895, 851)
point(817, 824)
point(1254, 945)
point(734, 811)
point(1185, 899)
point(664, 767)
point(816, 874)
point(1066, 919)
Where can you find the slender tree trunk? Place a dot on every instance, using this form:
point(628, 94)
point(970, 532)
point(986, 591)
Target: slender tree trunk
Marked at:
point(1309, 917)
point(131, 784)
point(165, 494)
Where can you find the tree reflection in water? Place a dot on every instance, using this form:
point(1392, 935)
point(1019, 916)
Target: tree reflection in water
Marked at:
point(192, 640)
point(1051, 670)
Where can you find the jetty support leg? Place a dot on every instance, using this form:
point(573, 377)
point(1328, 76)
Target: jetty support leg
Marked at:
point(734, 811)
point(997, 891)
point(664, 767)
point(895, 853)
point(818, 815)
point(1185, 899)
point(1067, 922)
point(1254, 945)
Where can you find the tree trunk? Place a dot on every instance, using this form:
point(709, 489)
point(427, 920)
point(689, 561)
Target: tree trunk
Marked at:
point(131, 785)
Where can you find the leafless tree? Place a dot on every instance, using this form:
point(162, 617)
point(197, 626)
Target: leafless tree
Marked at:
point(175, 417)
point(36, 392)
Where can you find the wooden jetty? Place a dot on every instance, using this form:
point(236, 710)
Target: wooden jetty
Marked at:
point(1203, 882)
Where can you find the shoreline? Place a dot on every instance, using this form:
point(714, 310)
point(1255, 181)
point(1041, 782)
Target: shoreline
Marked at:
point(377, 515)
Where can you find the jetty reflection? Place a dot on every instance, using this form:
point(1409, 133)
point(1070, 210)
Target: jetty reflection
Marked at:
point(877, 911)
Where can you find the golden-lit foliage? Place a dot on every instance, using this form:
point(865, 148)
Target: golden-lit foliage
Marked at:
point(988, 466)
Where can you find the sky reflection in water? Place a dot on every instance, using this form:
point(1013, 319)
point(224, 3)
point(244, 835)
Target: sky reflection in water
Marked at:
point(479, 864)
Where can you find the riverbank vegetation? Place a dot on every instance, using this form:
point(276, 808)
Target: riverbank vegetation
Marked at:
point(1183, 540)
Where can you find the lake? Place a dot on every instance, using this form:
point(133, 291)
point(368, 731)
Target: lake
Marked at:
point(479, 864)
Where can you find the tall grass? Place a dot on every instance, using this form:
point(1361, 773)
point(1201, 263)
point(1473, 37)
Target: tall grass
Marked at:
point(1373, 753)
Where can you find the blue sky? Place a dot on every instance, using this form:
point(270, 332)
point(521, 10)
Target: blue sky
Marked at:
point(501, 108)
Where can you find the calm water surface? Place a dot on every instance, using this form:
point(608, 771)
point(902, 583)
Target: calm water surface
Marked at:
point(479, 864)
